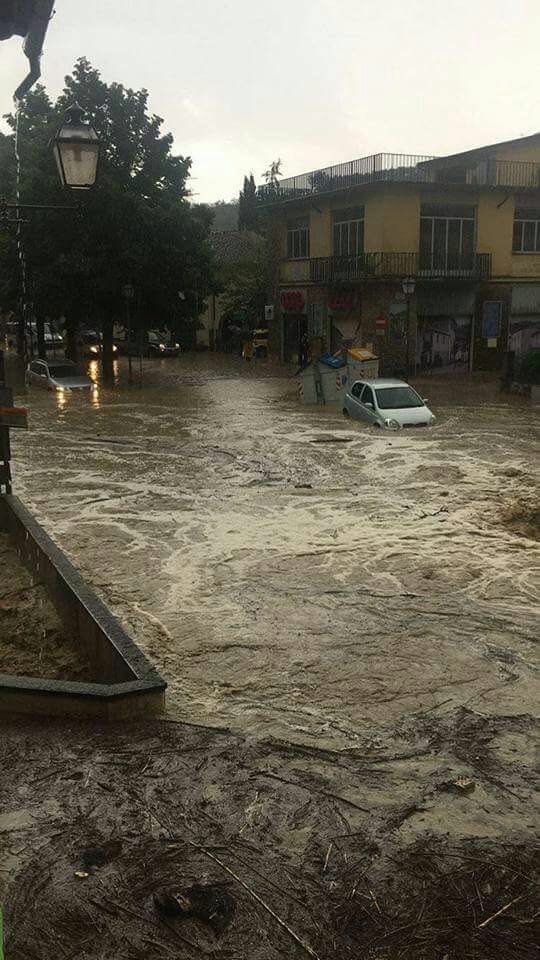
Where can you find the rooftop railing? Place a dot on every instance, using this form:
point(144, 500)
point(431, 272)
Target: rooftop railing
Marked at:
point(402, 168)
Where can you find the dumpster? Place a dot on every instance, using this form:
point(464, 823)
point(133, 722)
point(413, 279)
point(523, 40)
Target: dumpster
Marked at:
point(329, 378)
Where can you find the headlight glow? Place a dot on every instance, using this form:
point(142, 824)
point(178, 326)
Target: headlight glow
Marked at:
point(162, 346)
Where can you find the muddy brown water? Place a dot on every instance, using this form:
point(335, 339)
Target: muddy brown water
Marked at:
point(362, 615)
point(284, 587)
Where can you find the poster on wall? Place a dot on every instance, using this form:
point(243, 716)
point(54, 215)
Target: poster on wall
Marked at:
point(491, 319)
point(397, 320)
point(443, 342)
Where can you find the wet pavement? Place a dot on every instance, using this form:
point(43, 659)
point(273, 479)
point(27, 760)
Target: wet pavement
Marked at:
point(285, 585)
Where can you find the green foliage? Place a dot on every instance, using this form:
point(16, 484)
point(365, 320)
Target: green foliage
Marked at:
point(529, 370)
point(248, 213)
point(245, 285)
point(137, 225)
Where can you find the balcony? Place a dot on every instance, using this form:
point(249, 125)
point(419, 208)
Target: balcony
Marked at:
point(392, 266)
point(402, 168)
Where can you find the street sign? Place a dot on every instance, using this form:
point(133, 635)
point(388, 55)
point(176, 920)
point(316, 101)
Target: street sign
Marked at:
point(14, 417)
point(269, 312)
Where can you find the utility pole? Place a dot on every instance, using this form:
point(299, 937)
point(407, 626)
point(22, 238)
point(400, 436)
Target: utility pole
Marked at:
point(128, 293)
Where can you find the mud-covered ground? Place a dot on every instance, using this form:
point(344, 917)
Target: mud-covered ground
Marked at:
point(359, 609)
point(32, 640)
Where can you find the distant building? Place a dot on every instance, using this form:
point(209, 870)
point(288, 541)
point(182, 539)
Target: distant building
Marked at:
point(465, 227)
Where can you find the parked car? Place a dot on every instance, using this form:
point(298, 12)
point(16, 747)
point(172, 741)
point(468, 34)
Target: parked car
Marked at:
point(153, 345)
point(53, 340)
point(61, 376)
point(92, 344)
point(387, 403)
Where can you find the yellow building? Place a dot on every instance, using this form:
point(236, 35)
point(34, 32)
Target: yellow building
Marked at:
point(463, 231)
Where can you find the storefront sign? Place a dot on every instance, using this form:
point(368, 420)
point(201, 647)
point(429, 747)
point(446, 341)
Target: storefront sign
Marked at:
point(343, 301)
point(293, 300)
point(269, 312)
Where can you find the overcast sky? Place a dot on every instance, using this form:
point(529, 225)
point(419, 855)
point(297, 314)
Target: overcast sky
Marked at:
point(241, 82)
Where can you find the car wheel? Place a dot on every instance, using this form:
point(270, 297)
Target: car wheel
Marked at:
point(346, 412)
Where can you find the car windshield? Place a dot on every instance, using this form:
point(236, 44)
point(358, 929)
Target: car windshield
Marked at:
point(60, 371)
point(398, 398)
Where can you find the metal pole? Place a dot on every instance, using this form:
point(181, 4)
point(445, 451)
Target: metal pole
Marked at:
point(408, 336)
point(471, 345)
point(128, 311)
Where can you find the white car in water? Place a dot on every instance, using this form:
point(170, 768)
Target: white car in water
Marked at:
point(61, 376)
point(392, 404)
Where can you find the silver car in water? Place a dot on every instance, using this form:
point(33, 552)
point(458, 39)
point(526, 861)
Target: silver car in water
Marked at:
point(59, 375)
point(392, 404)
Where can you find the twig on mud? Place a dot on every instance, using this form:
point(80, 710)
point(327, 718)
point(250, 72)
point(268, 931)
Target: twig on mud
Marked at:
point(322, 793)
point(271, 883)
point(141, 917)
point(305, 946)
point(372, 895)
point(328, 852)
point(502, 910)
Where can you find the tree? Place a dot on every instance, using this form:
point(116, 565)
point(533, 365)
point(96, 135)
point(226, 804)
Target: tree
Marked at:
point(137, 226)
point(248, 211)
point(245, 281)
point(273, 173)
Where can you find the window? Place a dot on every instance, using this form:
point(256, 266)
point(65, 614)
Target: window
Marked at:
point(526, 230)
point(37, 367)
point(367, 395)
point(297, 239)
point(348, 238)
point(398, 398)
point(447, 237)
point(357, 390)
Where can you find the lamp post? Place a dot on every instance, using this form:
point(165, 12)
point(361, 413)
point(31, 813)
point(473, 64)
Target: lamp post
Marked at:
point(408, 285)
point(128, 293)
point(76, 151)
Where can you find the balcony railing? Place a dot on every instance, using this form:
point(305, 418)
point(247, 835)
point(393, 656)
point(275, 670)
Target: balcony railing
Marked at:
point(402, 168)
point(381, 266)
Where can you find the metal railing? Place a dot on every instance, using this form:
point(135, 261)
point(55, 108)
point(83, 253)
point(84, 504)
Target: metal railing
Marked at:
point(380, 266)
point(402, 168)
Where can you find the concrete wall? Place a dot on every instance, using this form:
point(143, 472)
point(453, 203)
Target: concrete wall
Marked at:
point(122, 671)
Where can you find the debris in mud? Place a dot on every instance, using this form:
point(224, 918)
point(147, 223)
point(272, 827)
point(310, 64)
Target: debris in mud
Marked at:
point(330, 439)
point(462, 785)
point(208, 902)
point(522, 516)
point(472, 901)
point(100, 855)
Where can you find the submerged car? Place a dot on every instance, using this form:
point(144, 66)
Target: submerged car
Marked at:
point(392, 404)
point(63, 376)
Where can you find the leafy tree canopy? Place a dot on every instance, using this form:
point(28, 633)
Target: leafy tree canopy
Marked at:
point(137, 225)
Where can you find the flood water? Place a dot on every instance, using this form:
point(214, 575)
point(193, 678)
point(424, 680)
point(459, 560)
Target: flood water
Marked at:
point(285, 582)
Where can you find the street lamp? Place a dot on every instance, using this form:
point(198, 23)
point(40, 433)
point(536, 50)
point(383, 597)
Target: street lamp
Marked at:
point(76, 151)
point(408, 285)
